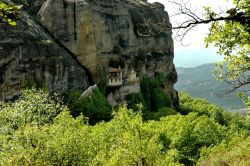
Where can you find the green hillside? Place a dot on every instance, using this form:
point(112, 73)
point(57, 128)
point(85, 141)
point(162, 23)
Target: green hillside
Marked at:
point(200, 82)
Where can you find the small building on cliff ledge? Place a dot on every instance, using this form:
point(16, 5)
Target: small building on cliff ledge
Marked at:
point(121, 85)
point(132, 77)
point(114, 77)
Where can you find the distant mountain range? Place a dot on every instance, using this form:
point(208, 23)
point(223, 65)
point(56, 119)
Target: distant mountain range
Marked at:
point(189, 58)
point(200, 82)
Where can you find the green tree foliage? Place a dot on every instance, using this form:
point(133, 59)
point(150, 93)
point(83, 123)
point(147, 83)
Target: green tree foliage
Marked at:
point(137, 103)
point(47, 134)
point(95, 107)
point(9, 13)
point(145, 90)
point(236, 153)
point(188, 134)
point(162, 112)
point(130, 142)
point(203, 107)
point(58, 143)
point(232, 37)
point(134, 99)
point(230, 33)
point(154, 97)
point(125, 140)
point(155, 102)
point(159, 99)
point(34, 106)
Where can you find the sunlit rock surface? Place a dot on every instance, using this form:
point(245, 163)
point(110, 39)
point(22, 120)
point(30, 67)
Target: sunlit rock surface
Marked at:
point(132, 34)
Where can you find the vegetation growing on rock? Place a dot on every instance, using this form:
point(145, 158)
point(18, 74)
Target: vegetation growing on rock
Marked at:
point(95, 107)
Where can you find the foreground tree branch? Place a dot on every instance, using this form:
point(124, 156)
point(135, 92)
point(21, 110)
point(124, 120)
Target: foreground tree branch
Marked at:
point(193, 19)
point(9, 12)
point(229, 32)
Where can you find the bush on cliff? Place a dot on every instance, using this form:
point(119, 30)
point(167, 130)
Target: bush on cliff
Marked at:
point(154, 97)
point(95, 107)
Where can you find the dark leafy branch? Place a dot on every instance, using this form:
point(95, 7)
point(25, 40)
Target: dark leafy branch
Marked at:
point(9, 12)
point(229, 32)
point(193, 19)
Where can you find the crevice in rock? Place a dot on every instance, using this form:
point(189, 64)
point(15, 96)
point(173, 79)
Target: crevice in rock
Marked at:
point(74, 15)
point(88, 74)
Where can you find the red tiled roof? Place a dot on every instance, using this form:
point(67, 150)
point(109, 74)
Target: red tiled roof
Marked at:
point(114, 70)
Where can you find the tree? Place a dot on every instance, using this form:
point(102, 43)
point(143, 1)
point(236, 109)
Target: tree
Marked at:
point(8, 13)
point(152, 93)
point(230, 33)
point(95, 107)
point(236, 153)
point(38, 130)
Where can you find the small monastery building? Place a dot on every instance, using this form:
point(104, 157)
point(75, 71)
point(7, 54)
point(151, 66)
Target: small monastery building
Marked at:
point(132, 78)
point(115, 77)
point(126, 83)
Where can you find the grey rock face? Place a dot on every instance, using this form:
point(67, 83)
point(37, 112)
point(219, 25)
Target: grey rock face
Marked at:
point(83, 38)
point(133, 33)
point(29, 54)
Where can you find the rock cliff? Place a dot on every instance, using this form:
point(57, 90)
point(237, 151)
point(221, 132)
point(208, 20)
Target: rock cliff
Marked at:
point(28, 54)
point(132, 34)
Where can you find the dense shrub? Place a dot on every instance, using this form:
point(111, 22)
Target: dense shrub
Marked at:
point(95, 107)
point(134, 99)
point(235, 153)
point(33, 107)
point(125, 140)
point(159, 99)
point(188, 134)
point(162, 112)
point(146, 92)
point(203, 107)
point(36, 130)
point(154, 97)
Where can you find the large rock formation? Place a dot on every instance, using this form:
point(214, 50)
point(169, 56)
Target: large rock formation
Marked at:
point(100, 34)
point(29, 55)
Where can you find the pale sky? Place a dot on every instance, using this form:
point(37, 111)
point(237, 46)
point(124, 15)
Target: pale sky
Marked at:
point(196, 36)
